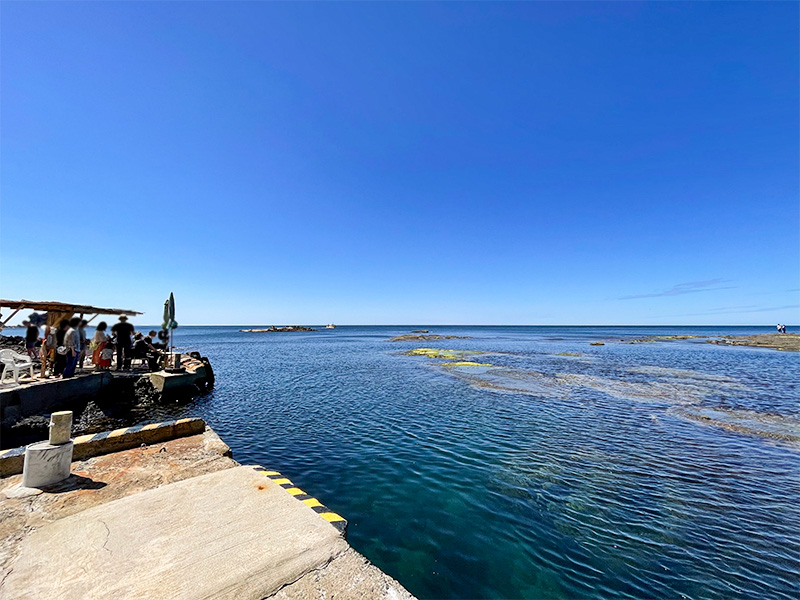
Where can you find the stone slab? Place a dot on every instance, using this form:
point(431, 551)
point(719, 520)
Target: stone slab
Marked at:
point(229, 534)
point(102, 479)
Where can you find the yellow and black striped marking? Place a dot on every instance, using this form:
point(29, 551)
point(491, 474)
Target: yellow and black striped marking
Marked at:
point(323, 511)
point(87, 446)
point(11, 452)
point(96, 437)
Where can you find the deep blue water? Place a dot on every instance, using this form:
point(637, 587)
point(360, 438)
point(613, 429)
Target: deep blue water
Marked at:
point(545, 476)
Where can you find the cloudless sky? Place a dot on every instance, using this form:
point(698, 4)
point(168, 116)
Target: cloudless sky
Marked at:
point(390, 163)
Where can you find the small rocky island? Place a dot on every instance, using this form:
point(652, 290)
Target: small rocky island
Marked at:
point(274, 329)
point(413, 337)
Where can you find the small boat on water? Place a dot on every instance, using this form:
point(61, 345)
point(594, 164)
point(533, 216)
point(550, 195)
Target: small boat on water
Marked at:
point(330, 326)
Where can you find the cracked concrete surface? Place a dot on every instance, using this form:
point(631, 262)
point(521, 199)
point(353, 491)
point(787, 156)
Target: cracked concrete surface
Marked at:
point(227, 533)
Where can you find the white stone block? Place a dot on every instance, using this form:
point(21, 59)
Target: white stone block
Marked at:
point(46, 464)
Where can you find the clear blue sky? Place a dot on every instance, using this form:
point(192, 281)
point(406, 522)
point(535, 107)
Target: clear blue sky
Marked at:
point(369, 163)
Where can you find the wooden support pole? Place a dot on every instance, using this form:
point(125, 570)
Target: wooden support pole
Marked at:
point(11, 317)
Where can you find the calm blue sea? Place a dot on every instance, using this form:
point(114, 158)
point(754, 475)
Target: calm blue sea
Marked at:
point(564, 470)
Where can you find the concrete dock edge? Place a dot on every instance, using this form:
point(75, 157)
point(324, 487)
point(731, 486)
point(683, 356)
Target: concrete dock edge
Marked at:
point(323, 511)
point(106, 442)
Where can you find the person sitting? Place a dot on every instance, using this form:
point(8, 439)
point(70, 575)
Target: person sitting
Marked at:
point(142, 348)
point(158, 345)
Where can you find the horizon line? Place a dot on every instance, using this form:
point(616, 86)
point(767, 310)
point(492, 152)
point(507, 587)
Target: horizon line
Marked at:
point(445, 325)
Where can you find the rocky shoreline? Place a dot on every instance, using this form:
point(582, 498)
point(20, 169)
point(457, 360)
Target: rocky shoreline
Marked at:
point(786, 342)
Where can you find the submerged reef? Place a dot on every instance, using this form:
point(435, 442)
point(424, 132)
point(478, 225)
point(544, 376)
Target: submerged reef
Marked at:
point(455, 358)
point(692, 395)
point(663, 338)
point(466, 363)
point(778, 427)
point(438, 353)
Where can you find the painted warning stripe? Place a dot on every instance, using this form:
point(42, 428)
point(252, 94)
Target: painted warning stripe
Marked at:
point(12, 452)
point(96, 444)
point(96, 437)
point(323, 511)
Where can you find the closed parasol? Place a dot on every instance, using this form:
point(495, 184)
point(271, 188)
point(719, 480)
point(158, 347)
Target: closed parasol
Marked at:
point(169, 317)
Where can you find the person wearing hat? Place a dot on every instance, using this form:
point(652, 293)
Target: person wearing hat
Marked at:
point(123, 332)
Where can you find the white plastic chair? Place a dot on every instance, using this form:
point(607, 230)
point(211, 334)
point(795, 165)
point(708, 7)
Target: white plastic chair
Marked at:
point(13, 362)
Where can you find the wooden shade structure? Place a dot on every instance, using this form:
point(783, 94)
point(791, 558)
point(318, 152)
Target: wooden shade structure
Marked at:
point(61, 309)
point(57, 311)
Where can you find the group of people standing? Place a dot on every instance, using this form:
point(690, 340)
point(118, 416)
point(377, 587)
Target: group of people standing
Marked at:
point(781, 328)
point(128, 343)
point(67, 345)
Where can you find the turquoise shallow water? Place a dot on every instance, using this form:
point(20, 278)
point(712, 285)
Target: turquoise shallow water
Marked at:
point(654, 470)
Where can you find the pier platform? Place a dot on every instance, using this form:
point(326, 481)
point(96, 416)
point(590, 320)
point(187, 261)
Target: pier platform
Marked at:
point(178, 519)
point(42, 396)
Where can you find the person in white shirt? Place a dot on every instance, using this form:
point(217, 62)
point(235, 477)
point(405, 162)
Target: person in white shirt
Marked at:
point(72, 340)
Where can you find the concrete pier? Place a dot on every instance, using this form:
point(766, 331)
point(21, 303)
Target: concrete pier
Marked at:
point(42, 396)
point(178, 519)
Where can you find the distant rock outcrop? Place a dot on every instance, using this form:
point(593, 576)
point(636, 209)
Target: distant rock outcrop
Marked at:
point(789, 342)
point(426, 338)
point(278, 329)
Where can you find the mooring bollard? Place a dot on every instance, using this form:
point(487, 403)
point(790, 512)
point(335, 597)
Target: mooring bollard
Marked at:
point(48, 462)
point(60, 427)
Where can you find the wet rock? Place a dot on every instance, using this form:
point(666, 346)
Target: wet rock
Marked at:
point(12, 342)
point(145, 393)
point(36, 427)
point(789, 342)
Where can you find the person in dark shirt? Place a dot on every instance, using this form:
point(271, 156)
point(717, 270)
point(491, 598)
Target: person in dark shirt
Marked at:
point(60, 362)
point(31, 339)
point(143, 348)
point(155, 340)
point(123, 332)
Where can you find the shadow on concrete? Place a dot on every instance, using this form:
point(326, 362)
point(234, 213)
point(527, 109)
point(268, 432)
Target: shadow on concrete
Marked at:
point(72, 483)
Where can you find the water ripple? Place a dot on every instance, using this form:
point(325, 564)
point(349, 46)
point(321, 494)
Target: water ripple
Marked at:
point(546, 476)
